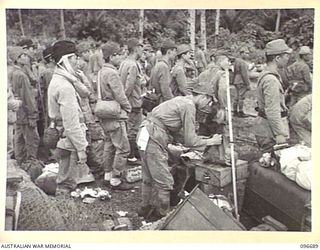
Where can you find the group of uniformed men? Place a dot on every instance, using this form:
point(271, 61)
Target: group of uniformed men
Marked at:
point(190, 92)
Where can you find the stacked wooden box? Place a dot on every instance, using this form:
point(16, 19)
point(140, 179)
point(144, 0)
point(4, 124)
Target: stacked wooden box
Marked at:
point(217, 179)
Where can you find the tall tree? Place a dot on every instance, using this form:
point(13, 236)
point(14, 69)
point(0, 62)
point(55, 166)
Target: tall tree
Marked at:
point(192, 28)
point(278, 20)
point(63, 29)
point(217, 24)
point(141, 22)
point(203, 28)
point(21, 23)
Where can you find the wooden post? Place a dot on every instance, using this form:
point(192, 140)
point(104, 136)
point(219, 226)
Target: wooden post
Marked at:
point(217, 24)
point(141, 22)
point(278, 21)
point(203, 28)
point(20, 21)
point(192, 25)
point(63, 30)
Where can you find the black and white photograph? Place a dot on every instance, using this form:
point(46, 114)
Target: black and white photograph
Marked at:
point(159, 119)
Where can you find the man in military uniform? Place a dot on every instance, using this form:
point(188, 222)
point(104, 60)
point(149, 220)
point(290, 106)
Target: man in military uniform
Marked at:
point(300, 76)
point(200, 58)
point(26, 134)
point(241, 81)
point(117, 146)
point(271, 125)
point(84, 53)
point(162, 124)
point(179, 80)
point(130, 74)
point(64, 109)
point(160, 74)
point(301, 119)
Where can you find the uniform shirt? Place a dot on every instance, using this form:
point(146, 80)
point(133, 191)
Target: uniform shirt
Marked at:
point(241, 75)
point(130, 78)
point(161, 79)
point(270, 100)
point(179, 113)
point(23, 91)
point(299, 71)
point(200, 59)
point(179, 80)
point(300, 113)
point(63, 104)
point(112, 87)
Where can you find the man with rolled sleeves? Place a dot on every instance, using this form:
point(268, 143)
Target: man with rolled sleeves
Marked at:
point(26, 133)
point(117, 146)
point(160, 74)
point(130, 74)
point(271, 125)
point(241, 81)
point(64, 110)
point(300, 76)
point(158, 130)
point(179, 80)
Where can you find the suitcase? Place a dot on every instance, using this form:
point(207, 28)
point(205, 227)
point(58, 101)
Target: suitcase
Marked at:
point(271, 193)
point(198, 212)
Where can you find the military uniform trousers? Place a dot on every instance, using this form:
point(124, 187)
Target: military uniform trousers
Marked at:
point(116, 148)
point(26, 142)
point(157, 180)
point(238, 102)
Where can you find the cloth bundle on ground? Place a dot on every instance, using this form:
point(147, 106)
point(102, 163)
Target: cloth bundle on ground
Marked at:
point(296, 164)
point(47, 180)
point(33, 167)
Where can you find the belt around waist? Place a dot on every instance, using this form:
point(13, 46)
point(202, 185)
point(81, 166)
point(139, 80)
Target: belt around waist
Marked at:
point(263, 114)
point(58, 122)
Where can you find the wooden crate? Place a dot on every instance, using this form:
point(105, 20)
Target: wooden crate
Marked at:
point(218, 175)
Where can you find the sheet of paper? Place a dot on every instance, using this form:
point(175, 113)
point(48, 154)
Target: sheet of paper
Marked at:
point(143, 138)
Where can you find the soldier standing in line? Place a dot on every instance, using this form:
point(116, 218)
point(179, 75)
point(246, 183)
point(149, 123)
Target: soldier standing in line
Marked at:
point(200, 59)
point(131, 75)
point(117, 146)
point(179, 80)
point(241, 82)
point(271, 125)
point(26, 133)
point(160, 74)
point(65, 111)
point(300, 76)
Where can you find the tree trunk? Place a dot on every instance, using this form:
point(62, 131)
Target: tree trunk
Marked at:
point(278, 21)
point(192, 28)
point(141, 22)
point(20, 21)
point(62, 28)
point(203, 29)
point(217, 24)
